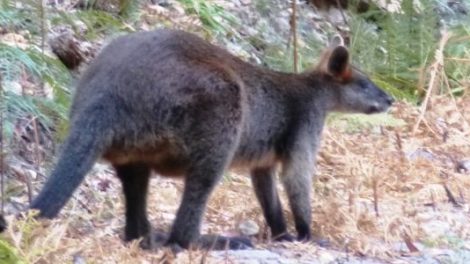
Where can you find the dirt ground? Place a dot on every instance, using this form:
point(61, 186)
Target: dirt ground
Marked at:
point(389, 189)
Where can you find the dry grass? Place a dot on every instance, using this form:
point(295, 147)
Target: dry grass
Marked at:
point(376, 187)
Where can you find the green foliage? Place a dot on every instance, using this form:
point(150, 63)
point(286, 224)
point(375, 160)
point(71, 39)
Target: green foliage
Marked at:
point(212, 16)
point(8, 254)
point(263, 7)
point(98, 23)
point(280, 58)
point(129, 9)
point(352, 123)
point(31, 64)
point(14, 64)
point(457, 57)
point(13, 18)
point(397, 46)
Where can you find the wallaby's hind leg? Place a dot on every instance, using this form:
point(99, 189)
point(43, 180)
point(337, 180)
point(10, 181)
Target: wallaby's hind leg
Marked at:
point(264, 184)
point(211, 151)
point(135, 180)
point(199, 184)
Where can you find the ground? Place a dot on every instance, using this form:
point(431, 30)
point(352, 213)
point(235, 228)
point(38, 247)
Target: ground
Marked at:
point(386, 191)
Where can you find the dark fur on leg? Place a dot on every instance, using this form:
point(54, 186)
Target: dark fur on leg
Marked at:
point(135, 180)
point(3, 224)
point(263, 180)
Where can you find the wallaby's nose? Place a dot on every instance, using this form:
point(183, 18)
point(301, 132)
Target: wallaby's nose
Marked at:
point(390, 100)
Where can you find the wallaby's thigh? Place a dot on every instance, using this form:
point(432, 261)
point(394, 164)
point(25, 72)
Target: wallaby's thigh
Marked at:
point(211, 138)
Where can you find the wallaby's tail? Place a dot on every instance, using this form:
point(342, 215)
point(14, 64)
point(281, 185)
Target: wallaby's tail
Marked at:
point(81, 149)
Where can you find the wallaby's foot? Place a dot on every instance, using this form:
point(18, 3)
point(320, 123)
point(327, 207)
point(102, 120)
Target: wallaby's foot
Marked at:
point(216, 242)
point(159, 239)
point(155, 240)
point(285, 237)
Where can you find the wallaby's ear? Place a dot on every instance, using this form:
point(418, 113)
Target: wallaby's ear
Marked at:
point(338, 63)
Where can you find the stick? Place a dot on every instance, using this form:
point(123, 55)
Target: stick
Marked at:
point(293, 24)
point(435, 68)
point(450, 196)
point(342, 13)
point(2, 139)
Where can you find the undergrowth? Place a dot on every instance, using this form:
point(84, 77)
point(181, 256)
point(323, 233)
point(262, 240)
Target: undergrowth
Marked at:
point(17, 65)
point(213, 17)
point(398, 47)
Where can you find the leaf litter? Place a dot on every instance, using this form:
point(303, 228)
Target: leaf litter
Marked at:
point(382, 193)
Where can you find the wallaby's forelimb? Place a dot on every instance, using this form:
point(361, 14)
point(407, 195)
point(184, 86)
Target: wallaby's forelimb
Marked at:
point(263, 180)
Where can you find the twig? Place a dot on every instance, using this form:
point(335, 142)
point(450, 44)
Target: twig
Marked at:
point(2, 139)
point(327, 133)
point(37, 158)
point(42, 15)
point(409, 243)
point(446, 80)
point(293, 24)
point(376, 197)
point(399, 142)
point(450, 196)
point(342, 13)
point(433, 199)
point(436, 67)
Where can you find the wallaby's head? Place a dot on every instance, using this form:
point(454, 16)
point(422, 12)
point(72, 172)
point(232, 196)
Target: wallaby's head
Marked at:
point(352, 90)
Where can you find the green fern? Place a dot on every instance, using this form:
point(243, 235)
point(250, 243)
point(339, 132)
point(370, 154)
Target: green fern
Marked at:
point(98, 23)
point(457, 54)
point(397, 46)
point(13, 62)
point(129, 9)
point(8, 254)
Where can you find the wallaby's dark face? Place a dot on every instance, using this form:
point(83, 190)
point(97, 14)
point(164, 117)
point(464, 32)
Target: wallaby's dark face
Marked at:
point(354, 91)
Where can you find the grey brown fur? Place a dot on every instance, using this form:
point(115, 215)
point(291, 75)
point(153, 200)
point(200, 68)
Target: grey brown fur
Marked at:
point(168, 101)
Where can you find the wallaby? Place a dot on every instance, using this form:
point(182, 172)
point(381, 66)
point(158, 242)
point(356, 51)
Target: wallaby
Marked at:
point(170, 102)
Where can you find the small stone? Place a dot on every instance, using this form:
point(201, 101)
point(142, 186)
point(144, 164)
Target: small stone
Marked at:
point(13, 87)
point(78, 259)
point(420, 153)
point(326, 257)
point(463, 166)
point(248, 228)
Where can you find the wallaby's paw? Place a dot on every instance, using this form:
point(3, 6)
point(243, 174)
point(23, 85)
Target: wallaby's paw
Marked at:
point(153, 241)
point(286, 237)
point(215, 242)
point(174, 247)
point(205, 242)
